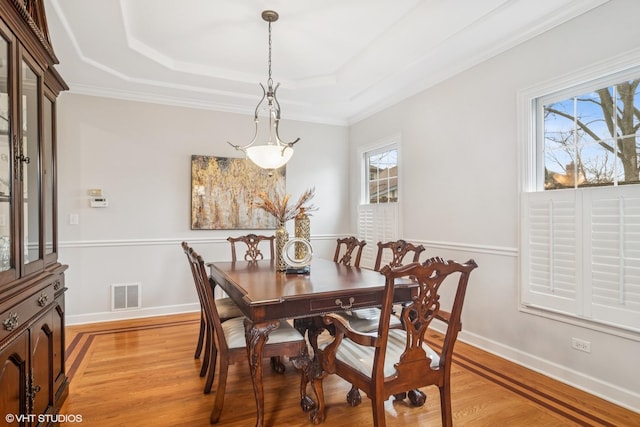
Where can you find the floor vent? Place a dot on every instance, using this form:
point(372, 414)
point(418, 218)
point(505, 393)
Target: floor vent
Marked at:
point(125, 296)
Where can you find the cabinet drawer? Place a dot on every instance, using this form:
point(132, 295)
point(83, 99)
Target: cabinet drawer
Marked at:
point(58, 283)
point(344, 302)
point(13, 318)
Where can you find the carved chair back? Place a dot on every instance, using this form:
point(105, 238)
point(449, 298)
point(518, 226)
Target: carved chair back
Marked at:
point(397, 360)
point(252, 241)
point(349, 244)
point(398, 250)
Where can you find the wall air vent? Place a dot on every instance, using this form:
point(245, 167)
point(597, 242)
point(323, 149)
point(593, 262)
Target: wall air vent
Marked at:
point(125, 296)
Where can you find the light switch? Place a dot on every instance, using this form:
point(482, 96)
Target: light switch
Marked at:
point(73, 219)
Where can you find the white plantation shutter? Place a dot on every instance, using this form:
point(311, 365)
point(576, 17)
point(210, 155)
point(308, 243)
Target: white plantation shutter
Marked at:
point(615, 255)
point(581, 253)
point(376, 223)
point(550, 252)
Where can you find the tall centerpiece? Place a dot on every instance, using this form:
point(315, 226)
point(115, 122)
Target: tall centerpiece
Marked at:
point(279, 207)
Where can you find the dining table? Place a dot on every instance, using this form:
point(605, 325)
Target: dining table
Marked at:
point(267, 297)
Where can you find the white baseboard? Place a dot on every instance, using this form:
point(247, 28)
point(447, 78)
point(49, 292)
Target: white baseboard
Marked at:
point(109, 316)
point(607, 391)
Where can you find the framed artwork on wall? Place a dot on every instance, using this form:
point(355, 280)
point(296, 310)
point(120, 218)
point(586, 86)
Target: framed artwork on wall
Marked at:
point(223, 192)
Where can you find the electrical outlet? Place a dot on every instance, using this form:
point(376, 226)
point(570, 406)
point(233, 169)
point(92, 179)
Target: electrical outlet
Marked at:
point(581, 345)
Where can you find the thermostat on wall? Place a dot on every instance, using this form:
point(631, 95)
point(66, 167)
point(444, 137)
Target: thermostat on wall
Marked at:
point(99, 202)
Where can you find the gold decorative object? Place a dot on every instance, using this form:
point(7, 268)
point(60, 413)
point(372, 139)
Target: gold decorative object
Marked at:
point(282, 236)
point(280, 209)
point(302, 227)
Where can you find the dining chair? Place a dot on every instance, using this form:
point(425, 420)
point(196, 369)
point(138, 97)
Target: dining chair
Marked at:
point(227, 309)
point(367, 319)
point(230, 341)
point(252, 242)
point(347, 246)
point(253, 253)
point(395, 360)
point(397, 250)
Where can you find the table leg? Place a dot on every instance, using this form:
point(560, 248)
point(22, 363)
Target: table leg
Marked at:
point(256, 335)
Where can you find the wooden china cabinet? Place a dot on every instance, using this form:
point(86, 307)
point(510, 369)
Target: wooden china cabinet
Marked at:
point(33, 383)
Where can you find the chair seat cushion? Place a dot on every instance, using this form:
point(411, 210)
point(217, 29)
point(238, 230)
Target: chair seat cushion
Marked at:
point(369, 323)
point(365, 313)
point(227, 309)
point(234, 333)
point(361, 357)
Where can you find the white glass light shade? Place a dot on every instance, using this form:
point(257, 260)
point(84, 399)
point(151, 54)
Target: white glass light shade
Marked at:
point(269, 156)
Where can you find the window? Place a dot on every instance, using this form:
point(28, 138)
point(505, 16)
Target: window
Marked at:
point(580, 201)
point(378, 210)
point(382, 170)
point(592, 139)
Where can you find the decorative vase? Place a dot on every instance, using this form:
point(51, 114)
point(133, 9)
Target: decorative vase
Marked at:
point(282, 236)
point(303, 231)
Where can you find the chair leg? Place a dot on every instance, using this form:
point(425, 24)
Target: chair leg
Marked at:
point(400, 396)
point(277, 365)
point(317, 415)
point(445, 406)
point(208, 342)
point(417, 397)
point(377, 404)
point(305, 365)
point(222, 385)
point(353, 397)
point(211, 370)
point(200, 336)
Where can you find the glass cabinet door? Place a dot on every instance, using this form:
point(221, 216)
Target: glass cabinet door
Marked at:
point(6, 177)
point(29, 160)
point(47, 141)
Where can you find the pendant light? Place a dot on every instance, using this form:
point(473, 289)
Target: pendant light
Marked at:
point(275, 152)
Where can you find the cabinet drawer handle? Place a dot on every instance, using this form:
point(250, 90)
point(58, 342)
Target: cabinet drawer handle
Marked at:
point(345, 307)
point(11, 322)
point(43, 299)
point(56, 285)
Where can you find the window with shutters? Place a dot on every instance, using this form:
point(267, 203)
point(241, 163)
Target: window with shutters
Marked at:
point(378, 209)
point(580, 201)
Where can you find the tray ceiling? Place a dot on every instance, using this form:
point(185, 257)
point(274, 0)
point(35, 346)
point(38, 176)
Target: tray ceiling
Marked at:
point(337, 61)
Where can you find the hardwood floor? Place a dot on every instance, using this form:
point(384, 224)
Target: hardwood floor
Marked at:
point(142, 372)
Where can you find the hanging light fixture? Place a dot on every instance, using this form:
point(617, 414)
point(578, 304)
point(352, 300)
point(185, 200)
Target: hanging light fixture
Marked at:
point(275, 153)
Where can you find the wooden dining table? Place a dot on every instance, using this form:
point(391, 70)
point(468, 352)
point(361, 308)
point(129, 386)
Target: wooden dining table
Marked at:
point(266, 297)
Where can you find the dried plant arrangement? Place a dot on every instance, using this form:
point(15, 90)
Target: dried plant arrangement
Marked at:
point(279, 206)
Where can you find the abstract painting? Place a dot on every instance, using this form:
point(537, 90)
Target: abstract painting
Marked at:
point(223, 191)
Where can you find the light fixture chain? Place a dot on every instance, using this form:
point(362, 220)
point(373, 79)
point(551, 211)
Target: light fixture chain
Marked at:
point(270, 81)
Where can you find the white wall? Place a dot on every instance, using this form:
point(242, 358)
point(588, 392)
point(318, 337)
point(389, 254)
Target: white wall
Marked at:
point(459, 170)
point(140, 155)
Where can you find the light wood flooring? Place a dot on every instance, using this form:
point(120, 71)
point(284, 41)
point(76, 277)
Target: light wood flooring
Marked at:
point(143, 373)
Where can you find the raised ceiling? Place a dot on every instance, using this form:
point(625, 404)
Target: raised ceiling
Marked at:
point(337, 61)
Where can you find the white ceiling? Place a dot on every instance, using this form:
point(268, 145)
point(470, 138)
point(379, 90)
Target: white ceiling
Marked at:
point(338, 61)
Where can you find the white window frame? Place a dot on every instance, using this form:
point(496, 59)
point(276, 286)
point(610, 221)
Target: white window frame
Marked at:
point(579, 311)
point(377, 221)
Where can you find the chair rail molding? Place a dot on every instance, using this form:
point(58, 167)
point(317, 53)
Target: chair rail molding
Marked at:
point(169, 241)
point(468, 247)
